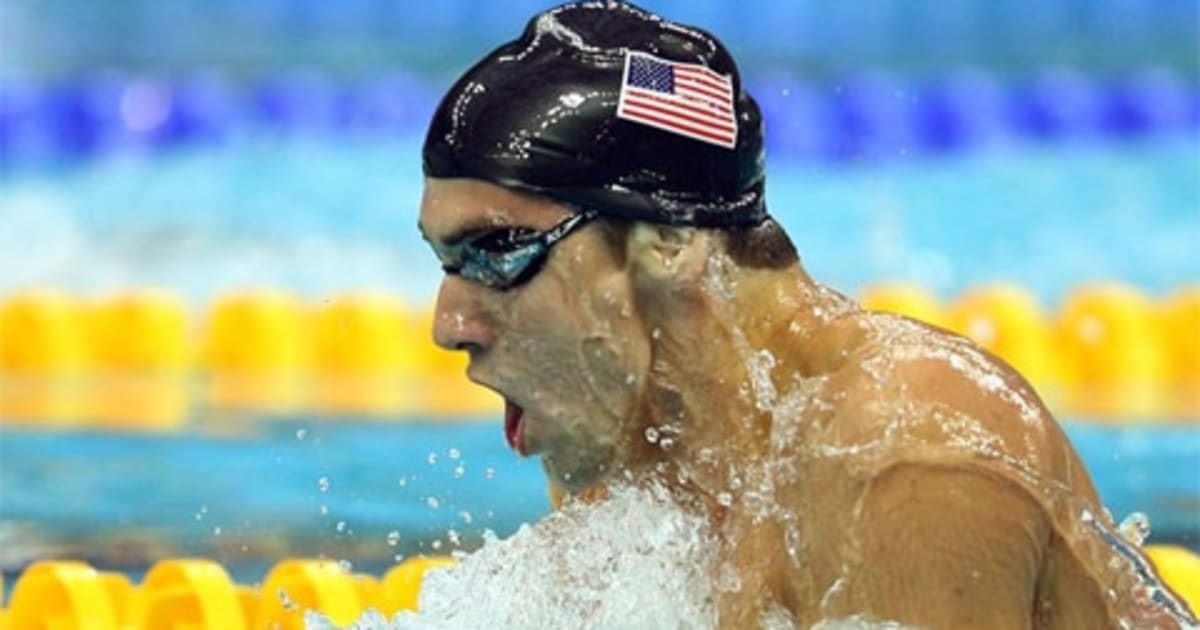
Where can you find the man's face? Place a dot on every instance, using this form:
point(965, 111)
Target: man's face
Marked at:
point(565, 348)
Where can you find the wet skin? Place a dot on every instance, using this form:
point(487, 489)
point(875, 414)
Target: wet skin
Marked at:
point(865, 465)
point(553, 346)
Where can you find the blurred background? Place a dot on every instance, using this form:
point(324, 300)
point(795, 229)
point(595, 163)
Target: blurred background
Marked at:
point(214, 303)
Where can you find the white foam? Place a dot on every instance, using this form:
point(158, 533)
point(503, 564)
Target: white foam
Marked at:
point(634, 560)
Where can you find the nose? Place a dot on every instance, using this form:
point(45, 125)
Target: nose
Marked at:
point(459, 323)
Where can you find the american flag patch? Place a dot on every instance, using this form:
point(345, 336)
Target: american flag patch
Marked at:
point(684, 98)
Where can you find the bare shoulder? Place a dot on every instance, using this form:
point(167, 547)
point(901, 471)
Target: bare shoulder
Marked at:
point(924, 446)
point(930, 447)
point(915, 392)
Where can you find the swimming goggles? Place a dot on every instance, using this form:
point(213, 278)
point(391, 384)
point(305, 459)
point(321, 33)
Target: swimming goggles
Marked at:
point(505, 258)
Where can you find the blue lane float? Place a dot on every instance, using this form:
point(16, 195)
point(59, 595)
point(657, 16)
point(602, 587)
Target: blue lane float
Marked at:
point(870, 115)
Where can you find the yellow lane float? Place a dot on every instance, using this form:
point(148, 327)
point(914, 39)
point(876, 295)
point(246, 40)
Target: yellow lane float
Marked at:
point(255, 350)
point(402, 583)
point(198, 594)
point(133, 360)
point(193, 593)
point(62, 595)
point(1007, 321)
point(295, 586)
point(140, 357)
point(1180, 569)
point(42, 354)
point(1114, 363)
point(363, 350)
point(1179, 315)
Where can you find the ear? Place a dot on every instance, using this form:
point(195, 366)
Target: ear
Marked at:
point(668, 257)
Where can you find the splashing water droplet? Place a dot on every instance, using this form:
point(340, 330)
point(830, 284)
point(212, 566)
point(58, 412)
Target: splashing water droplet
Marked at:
point(432, 459)
point(725, 499)
point(323, 484)
point(453, 537)
point(791, 540)
point(459, 471)
point(403, 481)
point(393, 538)
point(345, 565)
point(433, 502)
point(301, 434)
point(652, 435)
point(217, 531)
point(324, 510)
point(1135, 528)
point(466, 517)
point(437, 544)
point(341, 526)
point(489, 472)
point(453, 453)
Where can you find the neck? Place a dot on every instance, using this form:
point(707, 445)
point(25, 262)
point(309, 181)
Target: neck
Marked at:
point(720, 371)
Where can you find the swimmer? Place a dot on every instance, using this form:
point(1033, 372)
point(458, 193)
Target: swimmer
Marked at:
point(595, 194)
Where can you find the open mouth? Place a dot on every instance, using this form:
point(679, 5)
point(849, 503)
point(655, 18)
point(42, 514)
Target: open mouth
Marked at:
point(514, 426)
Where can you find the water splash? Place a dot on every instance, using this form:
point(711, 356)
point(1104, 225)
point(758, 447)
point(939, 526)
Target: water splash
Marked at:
point(759, 364)
point(1135, 528)
point(608, 564)
point(636, 559)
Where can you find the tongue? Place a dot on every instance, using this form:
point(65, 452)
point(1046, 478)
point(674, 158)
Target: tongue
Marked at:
point(512, 425)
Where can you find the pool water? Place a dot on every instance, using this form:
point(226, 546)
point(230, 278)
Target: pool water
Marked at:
point(317, 217)
point(370, 492)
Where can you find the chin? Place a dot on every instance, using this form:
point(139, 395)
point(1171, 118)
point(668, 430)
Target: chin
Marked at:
point(575, 473)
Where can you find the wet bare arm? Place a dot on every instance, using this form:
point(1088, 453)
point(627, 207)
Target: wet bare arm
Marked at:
point(946, 547)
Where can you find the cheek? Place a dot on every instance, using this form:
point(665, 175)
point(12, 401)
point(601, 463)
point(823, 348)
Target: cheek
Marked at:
point(617, 359)
point(584, 334)
point(613, 342)
point(539, 356)
point(608, 364)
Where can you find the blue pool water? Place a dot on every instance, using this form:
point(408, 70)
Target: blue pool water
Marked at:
point(272, 490)
point(338, 488)
point(318, 216)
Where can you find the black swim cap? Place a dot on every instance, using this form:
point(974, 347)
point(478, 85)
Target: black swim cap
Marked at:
point(540, 114)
